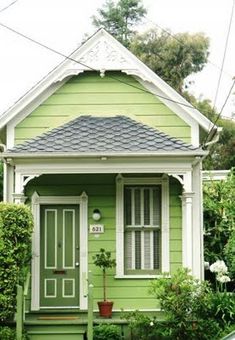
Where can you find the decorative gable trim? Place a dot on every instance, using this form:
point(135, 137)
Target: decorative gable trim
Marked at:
point(103, 52)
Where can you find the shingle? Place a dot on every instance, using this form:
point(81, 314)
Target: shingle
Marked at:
point(100, 134)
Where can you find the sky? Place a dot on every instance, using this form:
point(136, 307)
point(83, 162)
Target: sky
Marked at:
point(62, 25)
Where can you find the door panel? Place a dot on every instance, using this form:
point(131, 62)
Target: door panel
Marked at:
point(59, 262)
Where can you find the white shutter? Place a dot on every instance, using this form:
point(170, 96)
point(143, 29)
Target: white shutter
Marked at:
point(142, 209)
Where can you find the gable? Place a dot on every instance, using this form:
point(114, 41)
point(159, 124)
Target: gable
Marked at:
point(89, 94)
point(102, 53)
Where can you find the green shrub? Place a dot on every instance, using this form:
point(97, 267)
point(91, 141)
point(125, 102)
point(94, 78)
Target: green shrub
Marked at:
point(107, 332)
point(7, 333)
point(229, 252)
point(219, 213)
point(16, 225)
point(189, 311)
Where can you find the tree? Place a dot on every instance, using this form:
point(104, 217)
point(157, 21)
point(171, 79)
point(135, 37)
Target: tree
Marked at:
point(1, 181)
point(172, 57)
point(222, 154)
point(119, 19)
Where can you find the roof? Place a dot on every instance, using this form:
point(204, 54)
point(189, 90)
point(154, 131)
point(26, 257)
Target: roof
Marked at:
point(102, 135)
point(102, 52)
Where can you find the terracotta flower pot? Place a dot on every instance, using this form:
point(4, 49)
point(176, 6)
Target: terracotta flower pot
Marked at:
point(105, 308)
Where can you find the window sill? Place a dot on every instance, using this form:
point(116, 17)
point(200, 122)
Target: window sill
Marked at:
point(157, 276)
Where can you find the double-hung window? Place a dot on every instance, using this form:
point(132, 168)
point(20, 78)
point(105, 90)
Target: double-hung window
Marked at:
point(142, 229)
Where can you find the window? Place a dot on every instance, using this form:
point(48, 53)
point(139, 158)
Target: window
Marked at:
point(142, 229)
point(142, 226)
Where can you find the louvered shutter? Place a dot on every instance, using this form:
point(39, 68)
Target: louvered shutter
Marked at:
point(142, 228)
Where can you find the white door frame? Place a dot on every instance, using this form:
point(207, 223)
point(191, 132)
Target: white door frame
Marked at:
point(82, 202)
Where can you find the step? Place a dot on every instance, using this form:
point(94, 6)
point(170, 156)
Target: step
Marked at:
point(55, 331)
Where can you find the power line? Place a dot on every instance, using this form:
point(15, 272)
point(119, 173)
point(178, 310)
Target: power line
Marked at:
point(91, 68)
point(41, 80)
point(12, 3)
point(180, 42)
point(220, 113)
point(220, 76)
point(224, 55)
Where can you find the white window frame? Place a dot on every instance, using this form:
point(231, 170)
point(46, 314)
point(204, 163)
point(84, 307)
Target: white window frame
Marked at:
point(165, 245)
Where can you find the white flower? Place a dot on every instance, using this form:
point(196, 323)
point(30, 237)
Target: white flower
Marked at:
point(219, 267)
point(223, 278)
point(151, 323)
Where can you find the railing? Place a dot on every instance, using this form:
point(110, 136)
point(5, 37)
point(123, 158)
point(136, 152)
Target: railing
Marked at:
point(20, 307)
point(90, 307)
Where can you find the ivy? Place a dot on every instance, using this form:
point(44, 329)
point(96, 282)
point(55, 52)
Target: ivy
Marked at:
point(16, 224)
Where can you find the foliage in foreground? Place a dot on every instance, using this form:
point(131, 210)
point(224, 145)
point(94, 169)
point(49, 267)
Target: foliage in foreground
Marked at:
point(16, 226)
point(191, 310)
point(107, 331)
point(219, 220)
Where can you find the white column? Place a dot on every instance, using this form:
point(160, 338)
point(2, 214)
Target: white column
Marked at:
point(187, 219)
point(18, 195)
point(198, 259)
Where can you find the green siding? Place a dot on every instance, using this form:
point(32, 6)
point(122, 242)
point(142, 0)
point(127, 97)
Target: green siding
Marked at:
point(90, 94)
point(101, 191)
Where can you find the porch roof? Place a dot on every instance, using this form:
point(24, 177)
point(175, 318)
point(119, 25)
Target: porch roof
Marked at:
point(89, 134)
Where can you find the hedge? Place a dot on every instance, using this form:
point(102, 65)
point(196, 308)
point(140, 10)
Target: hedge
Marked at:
point(16, 225)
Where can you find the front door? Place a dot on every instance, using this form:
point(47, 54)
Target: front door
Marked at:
point(59, 260)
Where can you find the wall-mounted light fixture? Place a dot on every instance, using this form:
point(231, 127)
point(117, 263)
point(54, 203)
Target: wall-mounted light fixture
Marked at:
point(96, 215)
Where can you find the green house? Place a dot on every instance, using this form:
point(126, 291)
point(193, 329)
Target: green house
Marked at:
point(103, 132)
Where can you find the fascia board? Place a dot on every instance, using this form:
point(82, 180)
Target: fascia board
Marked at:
point(135, 67)
point(103, 154)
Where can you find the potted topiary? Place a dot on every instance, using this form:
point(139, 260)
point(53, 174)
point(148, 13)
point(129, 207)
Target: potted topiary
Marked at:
point(104, 261)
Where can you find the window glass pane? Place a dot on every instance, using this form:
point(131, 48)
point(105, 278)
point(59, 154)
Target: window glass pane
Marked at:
point(137, 207)
point(147, 250)
point(156, 249)
point(127, 206)
point(138, 250)
point(146, 207)
point(156, 206)
point(128, 249)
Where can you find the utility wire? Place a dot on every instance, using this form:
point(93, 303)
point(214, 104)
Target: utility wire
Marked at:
point(12, 3)
point(41, 80)
point(180, 42)
point(224, 54)
point(220, 113)
point(220, 77)
point(91, 68)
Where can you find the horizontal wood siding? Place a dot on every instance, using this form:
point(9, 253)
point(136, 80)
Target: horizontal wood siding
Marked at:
point(90, 94)
point(101, 191)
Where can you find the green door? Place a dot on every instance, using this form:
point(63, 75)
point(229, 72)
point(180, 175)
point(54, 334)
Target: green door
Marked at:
point(59, 260)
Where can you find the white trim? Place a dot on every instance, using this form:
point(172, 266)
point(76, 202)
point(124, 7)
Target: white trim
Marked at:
point(45, 288)
point(73, 241)
point(63, 288)
point(82, 201)
point(45, 239)
point(103, 52)
point(120, 182)
point(145, 276)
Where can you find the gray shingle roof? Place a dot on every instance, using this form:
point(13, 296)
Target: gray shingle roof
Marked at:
point(89, 134)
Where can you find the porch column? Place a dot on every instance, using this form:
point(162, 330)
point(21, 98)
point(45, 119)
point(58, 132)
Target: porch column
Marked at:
point(187, 222)
point(18, 195)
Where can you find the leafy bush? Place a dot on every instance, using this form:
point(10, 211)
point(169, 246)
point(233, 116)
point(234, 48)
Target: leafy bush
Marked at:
point(7, 333)
point(219, 213)
point(187, 306)
point(106, 331)
point(191, 310)
point(16, 225)
point(229, 252)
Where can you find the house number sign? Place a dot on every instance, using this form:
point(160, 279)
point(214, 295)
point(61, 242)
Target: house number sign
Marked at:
point(96, 228)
